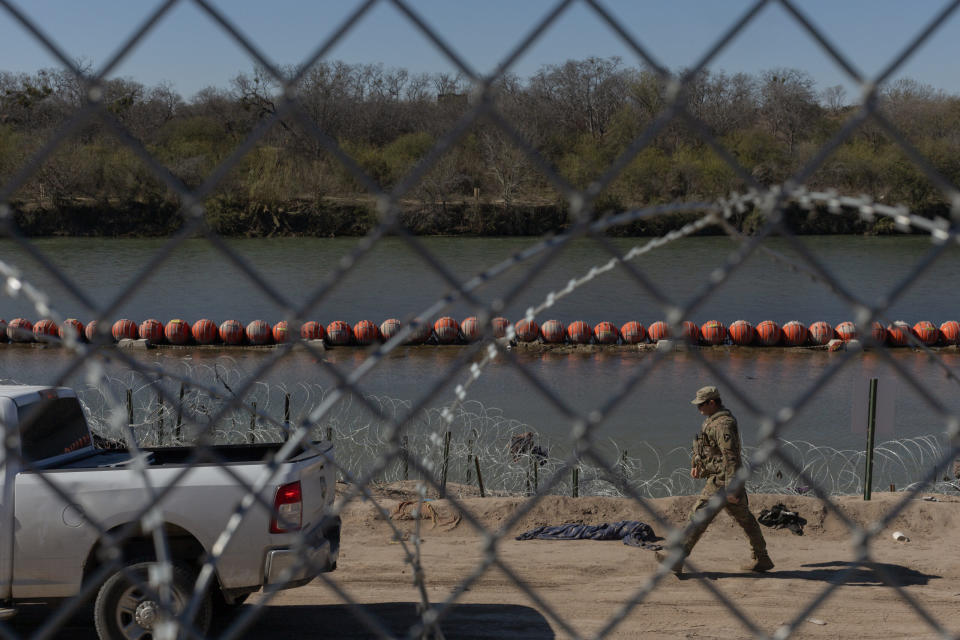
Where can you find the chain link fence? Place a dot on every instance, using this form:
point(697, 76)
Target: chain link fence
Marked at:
point(404, 448)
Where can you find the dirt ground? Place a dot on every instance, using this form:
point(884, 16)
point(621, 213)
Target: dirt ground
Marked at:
point(587, 582)
point(581, 585)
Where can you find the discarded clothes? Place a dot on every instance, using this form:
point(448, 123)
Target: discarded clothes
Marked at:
point(632, 532)
point(782, 518)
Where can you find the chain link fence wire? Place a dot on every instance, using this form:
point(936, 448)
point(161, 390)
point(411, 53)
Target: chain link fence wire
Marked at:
point(380, 439)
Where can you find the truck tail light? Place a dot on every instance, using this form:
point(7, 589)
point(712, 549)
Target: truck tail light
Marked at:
point(287, 509)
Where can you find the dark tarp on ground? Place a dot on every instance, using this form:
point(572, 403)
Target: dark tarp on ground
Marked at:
point(632, 532)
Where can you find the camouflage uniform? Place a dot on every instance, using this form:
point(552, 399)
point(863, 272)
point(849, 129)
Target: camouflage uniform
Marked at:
point(717, 457)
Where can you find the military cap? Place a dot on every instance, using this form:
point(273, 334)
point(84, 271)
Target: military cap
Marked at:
point(706, 393)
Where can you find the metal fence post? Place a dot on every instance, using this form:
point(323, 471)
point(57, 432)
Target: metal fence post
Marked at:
point(871, 432)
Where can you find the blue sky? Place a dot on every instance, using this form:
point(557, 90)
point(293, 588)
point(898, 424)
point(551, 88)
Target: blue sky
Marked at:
point(190, 51)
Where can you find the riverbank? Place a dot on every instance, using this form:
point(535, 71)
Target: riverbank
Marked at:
point(331, 217)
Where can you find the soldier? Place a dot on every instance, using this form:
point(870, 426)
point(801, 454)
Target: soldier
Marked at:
point(716, 458)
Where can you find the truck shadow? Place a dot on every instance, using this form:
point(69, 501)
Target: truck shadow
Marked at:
point(342, 621)
point(332, 621)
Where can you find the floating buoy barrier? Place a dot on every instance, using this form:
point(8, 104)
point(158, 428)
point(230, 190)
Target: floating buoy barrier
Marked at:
point(124, 329)
point(470, 328)
point(926, 333)
point(742, 333)
point(45, 328)
point(388, 329)
point(281, 332)
point(259, 332)
point(606, 333)
point(794, 333)
point(768, 333)
point(579, 332)
point(500, 327)
point(633, 333)
point(553, 332)
point(152, 330)
point(365, 332)
point(658, 331)
point(821, 333)
point(527, 330)
point(447, 331)
point(232, 332)
point(71, 326)
point(203, 331)
point(846, 331)
point(177, 332)
point(713, 332)
point(949, 331)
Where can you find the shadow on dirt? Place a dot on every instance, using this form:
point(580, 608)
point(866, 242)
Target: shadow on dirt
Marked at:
point(846, 573)
point(336, 621)
point(342, 621)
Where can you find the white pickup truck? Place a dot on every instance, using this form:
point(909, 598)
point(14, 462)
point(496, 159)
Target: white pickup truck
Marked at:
point(77, 520)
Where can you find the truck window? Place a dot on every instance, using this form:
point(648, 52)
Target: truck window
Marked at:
point(52, 427)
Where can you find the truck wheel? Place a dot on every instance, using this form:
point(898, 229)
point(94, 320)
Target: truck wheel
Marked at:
point(124, 610)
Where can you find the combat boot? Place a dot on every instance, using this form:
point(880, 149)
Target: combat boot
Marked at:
point(676, 567)
point(761, 562)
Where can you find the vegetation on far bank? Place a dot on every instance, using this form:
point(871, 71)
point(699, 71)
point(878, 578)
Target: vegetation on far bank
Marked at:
point(580, 117)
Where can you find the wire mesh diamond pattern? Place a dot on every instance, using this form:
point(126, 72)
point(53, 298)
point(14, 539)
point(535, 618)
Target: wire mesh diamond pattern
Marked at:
point(472, 361)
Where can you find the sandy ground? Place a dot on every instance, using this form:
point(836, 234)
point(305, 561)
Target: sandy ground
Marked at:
point(581, 586)
point(586, 583)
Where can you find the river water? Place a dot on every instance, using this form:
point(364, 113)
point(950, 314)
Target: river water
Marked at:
point(394, 281)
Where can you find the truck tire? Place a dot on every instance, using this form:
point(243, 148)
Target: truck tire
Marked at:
point(124, 610)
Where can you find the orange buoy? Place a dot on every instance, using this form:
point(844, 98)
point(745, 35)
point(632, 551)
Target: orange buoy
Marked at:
point(313, 330)
point(821, 333)
point(659, 330)
point(553, 331)
point(90, 332)
point(123, 329)
point(420, 331)
point(713, 332)
point(926, 332)
point(742, 333)
point(232, 333)
point(691, 332)
point(846, 331)
point(633, 333)
point(579, 332)
point(203, 331)
point(794, 333)
point(20, 330)
point(71, 326)
point(606, 333)
point(898, 334)
point(950, 330)
point(447, 330)
point(389, 328)
point(768, 333)
point(45, 328)
point(339, 333)
point(281, 332)
point(177, 331)
point(152, 330)
point(527, 330)
point(258, 332)
point(470, 328)
point(879, 333)
point(366, 332)
point(500, 327)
